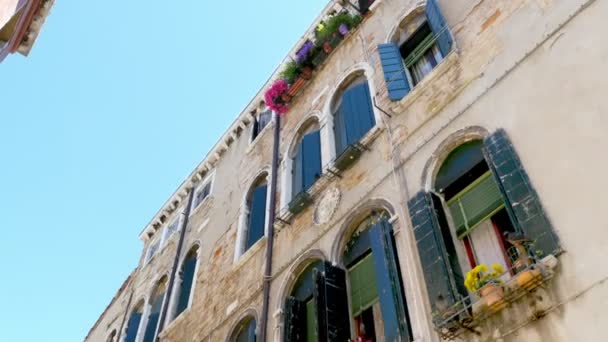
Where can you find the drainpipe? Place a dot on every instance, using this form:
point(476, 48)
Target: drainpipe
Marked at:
point(180, 244)
point(271, 219)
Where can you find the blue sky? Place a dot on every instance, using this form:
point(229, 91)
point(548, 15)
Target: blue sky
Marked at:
point(117, 103)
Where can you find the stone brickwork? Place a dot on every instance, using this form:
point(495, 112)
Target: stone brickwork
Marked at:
point(535, 68)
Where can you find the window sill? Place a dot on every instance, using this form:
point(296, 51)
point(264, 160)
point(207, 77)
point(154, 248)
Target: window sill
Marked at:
point(474, 310)
point(175, 322)
point(260, 136)
point(426, 83)
point(248, 255)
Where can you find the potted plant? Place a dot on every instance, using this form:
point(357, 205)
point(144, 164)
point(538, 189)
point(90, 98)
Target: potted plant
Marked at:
point(488, 284)
point(303, 59)
point(276, 97)
point(290, 72)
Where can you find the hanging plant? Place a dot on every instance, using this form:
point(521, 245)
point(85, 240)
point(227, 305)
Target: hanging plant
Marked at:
point(276, 97)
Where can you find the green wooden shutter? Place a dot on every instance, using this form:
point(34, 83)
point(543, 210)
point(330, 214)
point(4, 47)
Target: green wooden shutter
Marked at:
point(331, 303)
point(522, 201)
point(476, 203)
point(363, 289)
point(442, 274)
point(311, 322)
point(388, 278)
point(295, 310)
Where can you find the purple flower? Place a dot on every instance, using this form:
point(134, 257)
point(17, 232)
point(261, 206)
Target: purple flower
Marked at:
point(343, 28)
point(304, 51)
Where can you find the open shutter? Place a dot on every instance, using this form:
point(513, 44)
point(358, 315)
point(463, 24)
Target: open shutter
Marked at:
point(298, 170)
point(331, 302)
point(439, 26)
point(295, 310)
point(523, 204)
point(311, 151)
point(388, 279)
point(436, 251)
point(395, 77)
point(257, 217)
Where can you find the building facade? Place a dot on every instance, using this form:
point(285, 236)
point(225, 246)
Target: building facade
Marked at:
point(439, 176)
point(20, 24)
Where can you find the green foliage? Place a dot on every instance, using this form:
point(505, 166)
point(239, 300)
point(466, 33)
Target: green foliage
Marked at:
point(326, 29)
point(290, 72)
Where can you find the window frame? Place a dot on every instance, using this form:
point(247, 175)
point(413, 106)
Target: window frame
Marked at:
point(426, 44)
point(256, 132)
point(208, 181)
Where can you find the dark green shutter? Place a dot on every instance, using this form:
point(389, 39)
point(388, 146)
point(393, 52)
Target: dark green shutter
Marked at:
point(388, 279)
point(257, 216)
point(295, 310)
point(363, 289)
point(436, 250)
point(397, 84)
point(331, 302)
point(439, 26)
point(311, 143)
point(523, 204)
point(133, 326)
point(185, 287)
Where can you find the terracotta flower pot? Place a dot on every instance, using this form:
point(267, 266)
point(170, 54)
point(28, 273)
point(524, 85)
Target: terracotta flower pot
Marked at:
point(528, 279)
point(327, 47)
point(297, 85)
point(286, 97)
point(306, 73)
point(493, 295)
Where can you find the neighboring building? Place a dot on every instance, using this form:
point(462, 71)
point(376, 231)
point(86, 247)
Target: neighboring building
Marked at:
point(20, 24)
point(415, 153)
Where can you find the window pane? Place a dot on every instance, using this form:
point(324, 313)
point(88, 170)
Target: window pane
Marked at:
point(133, 326)
point(149, 336)
point(185, 288)
point(257, 216)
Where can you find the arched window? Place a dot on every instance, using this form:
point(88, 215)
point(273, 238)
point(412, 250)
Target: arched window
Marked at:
point(245, 331)
point(306, 165)
point(156, 302)
point(482, 210)
point(353, 114)
point(186, 278)
point(376, 291)
point(134, 322)
point(255, 213)
point(112, 336)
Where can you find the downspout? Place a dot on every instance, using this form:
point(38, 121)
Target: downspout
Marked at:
point(178, 252)
point(271, 219)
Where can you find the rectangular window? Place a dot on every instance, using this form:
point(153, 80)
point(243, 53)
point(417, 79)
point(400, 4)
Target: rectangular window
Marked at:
point(421, 53)
point(152, 251)
point(261, 121)
point(201, 194)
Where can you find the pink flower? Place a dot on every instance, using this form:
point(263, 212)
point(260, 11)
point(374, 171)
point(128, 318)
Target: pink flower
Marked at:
point(273, 97)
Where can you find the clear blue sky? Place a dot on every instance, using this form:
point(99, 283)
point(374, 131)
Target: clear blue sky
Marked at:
point(117, 103)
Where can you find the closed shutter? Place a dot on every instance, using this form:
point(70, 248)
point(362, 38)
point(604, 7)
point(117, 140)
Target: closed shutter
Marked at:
point(363, 289)
point(522, 201)
point(475, 203)
point(311, 322)
point(257, 216)
point(331, 302)
point(186, 285)
point(436, 250)
point(388, 278)
point(395, 77)
point(359, 114)
point(439, 26)
point(133, 326)
point(150, 333)
point(293, 329)
point(311, 152)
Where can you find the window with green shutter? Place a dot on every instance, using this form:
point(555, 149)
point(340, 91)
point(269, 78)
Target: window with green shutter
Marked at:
point(476, 203)
point(363, 289)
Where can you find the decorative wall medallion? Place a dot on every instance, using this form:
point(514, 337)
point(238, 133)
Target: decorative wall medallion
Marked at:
point(327, 205)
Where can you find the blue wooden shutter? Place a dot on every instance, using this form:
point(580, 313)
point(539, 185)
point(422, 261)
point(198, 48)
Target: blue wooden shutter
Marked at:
point(257, 215)
point(522, 201)
point(185, 287)
point(395, 77)
point(298, 170)
point(363, 112)
point(331, 303)
point(294, 314)
point(388, 280)
point(311, 151)
point(251, 336)
point(150, 334)
point(436, 250)
point(340, 130)
point(133, 326)
point(439, 26)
